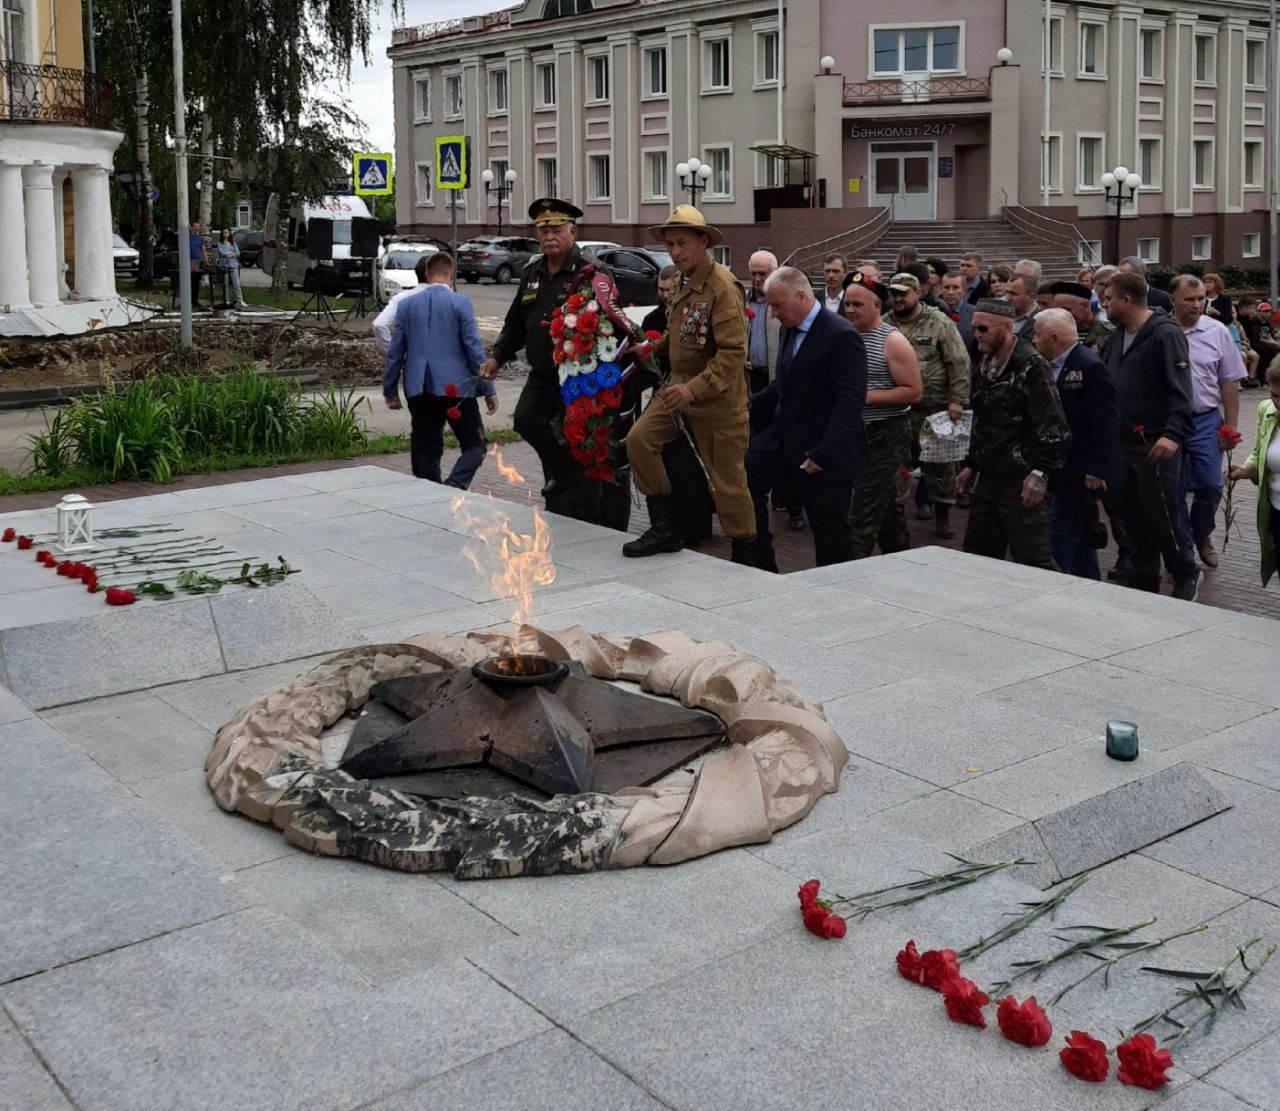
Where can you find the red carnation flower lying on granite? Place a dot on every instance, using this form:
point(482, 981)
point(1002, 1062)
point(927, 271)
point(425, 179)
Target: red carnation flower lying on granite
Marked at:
point(1085, 1057)
point(25, 542)
point(964, 1001)
point(46, 557)
point(1024, 1023)
point(118, 597)
point(809, 893)
point(1141, 1064)
point(909, 964)
point(9, 534)
point(821, 922)
point(937, 967)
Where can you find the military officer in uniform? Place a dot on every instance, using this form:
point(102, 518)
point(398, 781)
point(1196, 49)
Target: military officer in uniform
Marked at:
point(1091, 330)
point(706, 343)
point(546, 283)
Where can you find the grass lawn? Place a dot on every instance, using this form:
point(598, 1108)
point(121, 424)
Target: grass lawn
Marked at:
point(159, 296)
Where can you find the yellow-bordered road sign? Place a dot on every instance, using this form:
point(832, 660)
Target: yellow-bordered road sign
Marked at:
point(451, 162)
point(371, 175)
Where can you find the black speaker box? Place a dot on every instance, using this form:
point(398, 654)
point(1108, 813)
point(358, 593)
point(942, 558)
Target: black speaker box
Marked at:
point(364, 237)
point(326, 280)
point(320, 238)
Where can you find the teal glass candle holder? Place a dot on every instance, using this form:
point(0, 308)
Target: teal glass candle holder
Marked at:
point(1122, 740)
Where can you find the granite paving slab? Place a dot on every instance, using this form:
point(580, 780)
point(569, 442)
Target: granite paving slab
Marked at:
point(705, 583)
point(836, 573)
point(1208, 659)
point(380, 596)
point(1259, 630)
point(559, 599)
point(224, 495)
point(212, 701)
point(1254, 1075)
point(830, 616)
point(280, 622)
point(1201, 1095)
point(20, 574)
point(348, 478)
point(49, 599)
point(12, 708)
point(461, 619)
point(282, 1021)
point(396, 495)
point(995, 570)
point(24, 1081)
point(296, 510)
point(941, 593)
point(603, 558)
point(1249, 750)
point(946, 820)
point(358, 534)
point(442, 514)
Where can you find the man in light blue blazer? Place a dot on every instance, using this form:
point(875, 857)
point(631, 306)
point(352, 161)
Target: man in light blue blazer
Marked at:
point(436, 347)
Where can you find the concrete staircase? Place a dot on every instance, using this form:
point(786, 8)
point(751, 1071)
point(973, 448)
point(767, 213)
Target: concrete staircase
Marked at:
point(996, 240)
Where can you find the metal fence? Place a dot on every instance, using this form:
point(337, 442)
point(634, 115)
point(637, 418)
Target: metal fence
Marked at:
point(54, 94)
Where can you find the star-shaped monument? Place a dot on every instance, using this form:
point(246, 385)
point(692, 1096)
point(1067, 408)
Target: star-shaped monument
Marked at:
point(565, 735)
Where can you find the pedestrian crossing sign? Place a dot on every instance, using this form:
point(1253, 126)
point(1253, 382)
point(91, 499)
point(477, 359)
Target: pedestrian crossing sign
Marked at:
point(451, 162)
point(371, 174)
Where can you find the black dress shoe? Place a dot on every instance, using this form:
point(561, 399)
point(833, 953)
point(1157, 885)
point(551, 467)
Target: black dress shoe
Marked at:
point(796, 522)
point(552, 488)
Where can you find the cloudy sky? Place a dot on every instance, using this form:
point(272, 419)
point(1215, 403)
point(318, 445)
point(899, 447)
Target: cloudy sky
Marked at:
point(370, 88)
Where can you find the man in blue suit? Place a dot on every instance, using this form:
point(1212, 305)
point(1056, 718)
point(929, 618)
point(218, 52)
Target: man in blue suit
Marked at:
point(436, 347)
point(1088, 395)
point(816, 396)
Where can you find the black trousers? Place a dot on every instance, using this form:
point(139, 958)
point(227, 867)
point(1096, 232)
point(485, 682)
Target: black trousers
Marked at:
point(1155, 527)
point(427, 416)
point(576, 496)
point(825, 501)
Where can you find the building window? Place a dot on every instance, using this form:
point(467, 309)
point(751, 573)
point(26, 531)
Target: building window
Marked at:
point(1205, 59)
point(544, 82)
point(498, 92)
point(655, 71)
point(716, 73)
point(769, 173)
point(1055, 164)
point(1089, 252)
point(13, 35)
point(1251, 244)
point(547, 183)
point(1255, 64)
point(766, 58)
point(554, 9)
point(422, 99)
point(722, 254)
point(1149, 163)
point(1089, 163)
point(1253, 164)
point(916, 50)
point(598, 79)
point(599, 177)
point(425, 184)
point(499, 166)
point(1201, 247)
point(1055, 45)
point(655, 175)
point(453, 96)
point(1149, 250)
point(1202, 163)
point(1093, 49)
point(1151, 54)
point(720, 183)
point(244, 214)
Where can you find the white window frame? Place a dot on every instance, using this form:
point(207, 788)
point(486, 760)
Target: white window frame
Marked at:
point(646, 62)
point(1204, 252)
point(499, 78)
point(1056, 23)
point(449, 113)
point(1251, 244)
point(710, 41)
point(540, 69)
point(763, 162)
point(1157, 76)
point(597, 65)
point(421, 83)
point(427, 198)
point(723, 254)
point(1094, 186)
point(1261, 46)
point(711, 194)
point(1101, 73)
point(1211, 78)
point(1094, 256)
point(647, 192)
point(1257, 183)
point(1149, 255)
point(1055, 179)
point(901, 28)
point(548, 188)
point(1155, 182)
point(1211, 147)
point(761, 37)
point(593, 196)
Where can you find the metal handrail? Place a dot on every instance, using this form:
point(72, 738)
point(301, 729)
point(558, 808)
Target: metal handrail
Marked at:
point(895, 90)
point(1024, 219)
point(53, 94)
point(849, 242)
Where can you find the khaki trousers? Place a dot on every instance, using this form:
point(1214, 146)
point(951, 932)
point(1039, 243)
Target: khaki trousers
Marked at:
point(723, 449)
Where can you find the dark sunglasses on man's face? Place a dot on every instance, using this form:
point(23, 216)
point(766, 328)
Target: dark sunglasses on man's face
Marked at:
point(981, 329)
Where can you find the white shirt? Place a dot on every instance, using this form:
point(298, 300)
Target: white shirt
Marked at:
point(1273, 471)
point(385, 322)
point(835, 304)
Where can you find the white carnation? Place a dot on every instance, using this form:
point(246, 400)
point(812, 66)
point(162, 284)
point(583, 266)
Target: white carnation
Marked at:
point(571, 321)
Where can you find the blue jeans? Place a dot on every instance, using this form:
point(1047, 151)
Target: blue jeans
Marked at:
point(1201, 478)
point(1066, 523)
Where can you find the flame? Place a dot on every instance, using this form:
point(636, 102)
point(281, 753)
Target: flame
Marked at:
point(515, 563)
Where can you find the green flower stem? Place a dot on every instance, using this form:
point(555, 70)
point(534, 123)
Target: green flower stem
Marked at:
point(1105, 964)
point(1084, 945)
point(921, 889)
point(178, 572)
point(117, 569)
point(1033, 911)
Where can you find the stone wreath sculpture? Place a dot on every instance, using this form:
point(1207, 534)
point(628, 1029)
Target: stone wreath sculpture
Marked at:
point(267, 763)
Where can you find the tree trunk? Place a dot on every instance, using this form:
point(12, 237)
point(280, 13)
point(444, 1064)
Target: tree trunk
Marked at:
point(206, 173)
point(142, 141)
point(288, 156)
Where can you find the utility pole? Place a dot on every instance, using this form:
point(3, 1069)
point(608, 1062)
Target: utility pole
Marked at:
point(180, 153)
point(1273, 191)
point(1046, 146)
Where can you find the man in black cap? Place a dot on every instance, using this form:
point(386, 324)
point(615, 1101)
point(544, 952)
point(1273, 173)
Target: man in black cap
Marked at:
point(1092, 331)
point(546, 284)
point(1020, 436)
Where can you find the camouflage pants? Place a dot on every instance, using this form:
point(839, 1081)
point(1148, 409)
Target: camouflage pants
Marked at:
point(876, 514)
point(999, 523)
point(939, 478)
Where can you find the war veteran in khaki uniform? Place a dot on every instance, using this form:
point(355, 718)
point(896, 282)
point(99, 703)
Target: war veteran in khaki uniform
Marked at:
point(706, 344)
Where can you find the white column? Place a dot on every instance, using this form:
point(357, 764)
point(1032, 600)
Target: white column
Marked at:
point(13, 240)
point(60, 234)
point(42, 257)
point(95, 268)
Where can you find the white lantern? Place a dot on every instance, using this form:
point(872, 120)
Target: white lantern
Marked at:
point(75, 529)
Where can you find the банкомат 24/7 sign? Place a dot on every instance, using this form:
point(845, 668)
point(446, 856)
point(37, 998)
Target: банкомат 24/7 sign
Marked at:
point(452, 161)
point(371, 175)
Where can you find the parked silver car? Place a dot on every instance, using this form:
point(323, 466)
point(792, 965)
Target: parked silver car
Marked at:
point(125, 257)
point(492, 256)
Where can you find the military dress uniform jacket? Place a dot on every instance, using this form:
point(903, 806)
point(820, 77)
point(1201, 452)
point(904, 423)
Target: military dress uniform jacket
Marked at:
point(1018, 422)
point(528, 321)
point(943, 358)
point(706, 344)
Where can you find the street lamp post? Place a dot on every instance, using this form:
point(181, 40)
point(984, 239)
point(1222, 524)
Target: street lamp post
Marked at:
point(1119, 188)
point(502, 189)
point(693, 176)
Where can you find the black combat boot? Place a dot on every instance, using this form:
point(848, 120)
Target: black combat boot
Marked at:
point(747, 553)
point(664, 533)
point(942, 522)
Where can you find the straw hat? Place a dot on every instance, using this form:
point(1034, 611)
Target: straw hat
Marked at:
point(686, 216)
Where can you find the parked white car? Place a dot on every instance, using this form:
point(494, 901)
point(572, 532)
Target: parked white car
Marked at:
point(396, 267)
point(589, 247)
point(125, 257)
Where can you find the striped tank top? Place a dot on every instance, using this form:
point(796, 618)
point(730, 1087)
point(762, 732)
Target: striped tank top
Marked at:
point(878, 376)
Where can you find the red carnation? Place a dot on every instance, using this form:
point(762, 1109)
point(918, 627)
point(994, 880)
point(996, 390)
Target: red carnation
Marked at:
point(751, 314)
point(1085, 1057)
point(612, 396)
point(1228, 438)
point(905, 472)
point(822, 923)
point(652, 336)
point(558, 355)
point(43, 555)
point(557, 328)
point(937, 966)
point(118, 597)
point(964, 1002)
point(90, 583)
point(453, 414)
point(64, 568)
point(24, 543)
point(583, 343)
point(1141, 1064)
point(9, 534)
point(809, 893)
point(1024, 1023)
point(602, 434)
point(588, 322)
point(606, 473)
point(451, 390)
point(601, 452)
point(909, 963)
point(1139, 429)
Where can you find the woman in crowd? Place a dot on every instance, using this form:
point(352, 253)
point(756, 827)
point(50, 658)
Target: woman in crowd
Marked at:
point(1263, 468)
point(1217, 304)
point(229, 264)
point(997, 277)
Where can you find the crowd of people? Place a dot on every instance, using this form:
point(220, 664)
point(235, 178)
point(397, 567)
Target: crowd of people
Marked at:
point(1066, 415)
